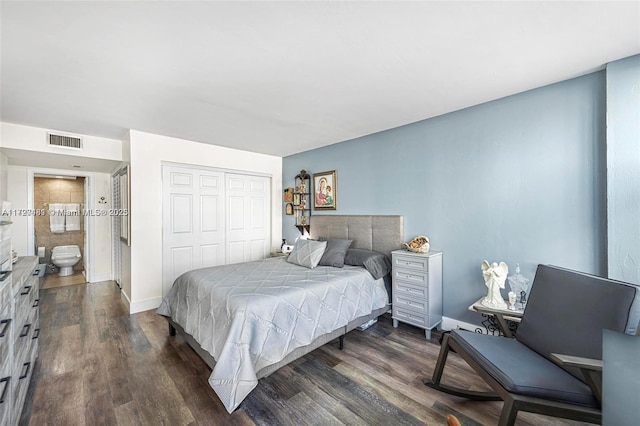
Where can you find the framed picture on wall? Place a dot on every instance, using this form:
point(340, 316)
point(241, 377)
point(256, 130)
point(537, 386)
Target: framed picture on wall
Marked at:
point(288, 195)
point(325, 190)
point(288, 209)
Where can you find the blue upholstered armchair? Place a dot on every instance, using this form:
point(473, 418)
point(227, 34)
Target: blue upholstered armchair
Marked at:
point(552, 366)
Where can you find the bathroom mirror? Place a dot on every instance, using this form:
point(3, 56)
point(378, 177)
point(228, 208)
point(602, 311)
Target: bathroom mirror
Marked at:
point(124, 206)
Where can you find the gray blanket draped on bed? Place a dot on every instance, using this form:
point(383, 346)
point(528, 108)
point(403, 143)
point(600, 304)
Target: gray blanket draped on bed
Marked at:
point(251, 315)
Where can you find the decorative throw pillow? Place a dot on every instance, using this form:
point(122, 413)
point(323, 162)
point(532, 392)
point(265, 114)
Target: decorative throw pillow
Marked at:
point(335, 252)
point(307, 253)
point(378, 264)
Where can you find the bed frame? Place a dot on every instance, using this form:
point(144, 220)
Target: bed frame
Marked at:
point(379, 233)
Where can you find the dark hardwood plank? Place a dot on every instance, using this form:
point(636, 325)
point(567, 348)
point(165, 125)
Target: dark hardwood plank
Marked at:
point(369, 407)
point(98, 407)
point(100, 365)
point(329, 403)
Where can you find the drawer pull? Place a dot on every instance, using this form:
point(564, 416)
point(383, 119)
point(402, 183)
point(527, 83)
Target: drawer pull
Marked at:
point(6, 381)
point(25, 330)
point(36, 272)
point(6, 326)
point(27, 290)
point(26, 370)
point(36, 333)
point(36, 303)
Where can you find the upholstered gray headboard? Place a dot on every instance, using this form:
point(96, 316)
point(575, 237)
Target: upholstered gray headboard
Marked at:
point(379, 233)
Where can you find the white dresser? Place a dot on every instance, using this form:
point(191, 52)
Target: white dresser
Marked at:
point(417, 289)
point(19, 331)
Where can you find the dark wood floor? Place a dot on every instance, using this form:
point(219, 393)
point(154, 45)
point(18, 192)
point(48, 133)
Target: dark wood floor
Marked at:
point(99, 365)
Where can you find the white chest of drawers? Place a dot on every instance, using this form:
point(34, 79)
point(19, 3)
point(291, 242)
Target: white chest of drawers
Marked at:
point(19, 331)
point(417, 289)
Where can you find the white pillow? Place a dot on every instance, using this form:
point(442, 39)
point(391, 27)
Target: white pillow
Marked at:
point(307, 253)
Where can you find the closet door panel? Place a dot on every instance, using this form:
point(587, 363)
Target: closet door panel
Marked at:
point(248, 201)
point(210, 254)
point(181, 261)
point(209, 213)
point(211, 218)
point(236, 252)
point(193, 221)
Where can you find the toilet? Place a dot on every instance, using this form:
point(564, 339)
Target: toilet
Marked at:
point(65, 257)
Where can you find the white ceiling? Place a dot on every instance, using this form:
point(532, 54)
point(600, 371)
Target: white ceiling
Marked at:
point(284, 77)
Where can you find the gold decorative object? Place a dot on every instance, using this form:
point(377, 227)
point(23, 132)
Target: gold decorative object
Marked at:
point(419, 244)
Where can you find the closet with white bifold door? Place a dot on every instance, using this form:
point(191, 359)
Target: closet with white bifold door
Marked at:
point(212, 217)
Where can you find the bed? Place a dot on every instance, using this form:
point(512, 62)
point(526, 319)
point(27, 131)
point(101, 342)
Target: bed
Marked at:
point(247, 320)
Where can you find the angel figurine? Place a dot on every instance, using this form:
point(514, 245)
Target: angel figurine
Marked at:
point(494, 278)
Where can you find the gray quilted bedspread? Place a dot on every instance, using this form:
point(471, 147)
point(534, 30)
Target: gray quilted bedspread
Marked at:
point(251, 315)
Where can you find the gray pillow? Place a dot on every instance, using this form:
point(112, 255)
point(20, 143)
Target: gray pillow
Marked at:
point(307, 253)
point(378, 264)
point(335, 252)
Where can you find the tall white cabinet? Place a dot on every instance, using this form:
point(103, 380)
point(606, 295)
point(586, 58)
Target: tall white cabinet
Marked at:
point(417, 289)
point(212, 217)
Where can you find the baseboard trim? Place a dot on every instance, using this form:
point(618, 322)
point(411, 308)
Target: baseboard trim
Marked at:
point(144, 305)
point(126, 300)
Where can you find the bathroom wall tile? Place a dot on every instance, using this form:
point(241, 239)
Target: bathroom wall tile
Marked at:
point(41, 238)
point(59, 197)
point(59, 240)
point(77, 197)
point(50, 184)
point(41, 184)
point(40, 195)
point(66, 185)
point(41, 223)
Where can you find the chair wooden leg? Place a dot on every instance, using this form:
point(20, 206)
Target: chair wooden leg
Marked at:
point(442, 359)
point(434, 382)
point(594, 380)
point(509, 413)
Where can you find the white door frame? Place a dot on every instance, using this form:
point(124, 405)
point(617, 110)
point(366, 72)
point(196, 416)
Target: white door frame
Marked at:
point(89, 225)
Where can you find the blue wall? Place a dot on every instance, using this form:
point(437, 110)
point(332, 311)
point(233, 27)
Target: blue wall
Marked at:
point(623, 171)
point(520, 179)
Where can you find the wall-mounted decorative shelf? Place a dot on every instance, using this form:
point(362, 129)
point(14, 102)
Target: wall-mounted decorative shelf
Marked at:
point(302, 200)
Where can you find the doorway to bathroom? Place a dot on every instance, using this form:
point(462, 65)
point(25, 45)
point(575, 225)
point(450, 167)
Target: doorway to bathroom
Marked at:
point(59, 229)
point(95, 219)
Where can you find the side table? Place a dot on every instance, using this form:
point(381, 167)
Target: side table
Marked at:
point(501, 316)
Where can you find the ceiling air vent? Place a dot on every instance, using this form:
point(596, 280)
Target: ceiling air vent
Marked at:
point(65, 141)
